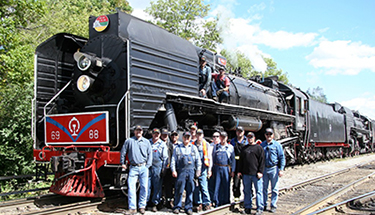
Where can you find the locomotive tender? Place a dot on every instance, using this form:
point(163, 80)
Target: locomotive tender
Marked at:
point(89, 93)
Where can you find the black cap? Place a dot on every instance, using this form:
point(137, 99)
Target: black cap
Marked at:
point(223, 133)
point(155, 130)
point(174, 132)
point(164, 131)
point(187, 134)
point(138, 127)
point(250, 134)
point(203, 58)
point(240, 128)
point(269, 130)
point(199, 131)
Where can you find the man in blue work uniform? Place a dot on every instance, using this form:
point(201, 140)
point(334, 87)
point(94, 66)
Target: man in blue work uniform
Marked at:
point(274, 167)
point(204, 77)
point(238, 143)
point(185, 165)
point(201, 193)
point(224, 164)
point(169, 180)
point(211, 180)
point(139, 154)
point(159, 163)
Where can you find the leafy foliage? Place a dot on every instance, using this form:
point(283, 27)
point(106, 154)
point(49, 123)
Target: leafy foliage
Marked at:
point(16, 149)
point(16, 54)
point(239, 61)
point(317, 94)
point(185, 18)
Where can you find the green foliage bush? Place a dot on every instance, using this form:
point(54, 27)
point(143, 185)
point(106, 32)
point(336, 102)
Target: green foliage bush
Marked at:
point(16, 144)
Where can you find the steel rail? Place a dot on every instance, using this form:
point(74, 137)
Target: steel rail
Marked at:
point(226, 208)
point(310, 209)
point(64, 209)
point(366, 195)
point(25, 200)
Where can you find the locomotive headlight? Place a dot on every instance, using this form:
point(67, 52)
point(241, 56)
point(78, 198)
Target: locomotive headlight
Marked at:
point(83, 83)
point(83, 61)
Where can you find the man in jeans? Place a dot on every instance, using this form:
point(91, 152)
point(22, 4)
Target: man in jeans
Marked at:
point(201, 193)
point(238, 143)
point(139, 154)
point(274, 168)
point(250, 167)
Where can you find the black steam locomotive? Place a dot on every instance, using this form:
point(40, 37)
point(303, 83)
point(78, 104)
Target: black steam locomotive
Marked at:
point(89, 93)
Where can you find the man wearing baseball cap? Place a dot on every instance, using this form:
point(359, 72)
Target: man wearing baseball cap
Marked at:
point(224, 164)
point(139, 154)
point(204, 77)
point(220, 86)
point(159, 163)
point(238, 143)
point(250, 167)
point(169, 180)
point(274, 167)
point(201, 194)
point(193, 132)
point(185, 165)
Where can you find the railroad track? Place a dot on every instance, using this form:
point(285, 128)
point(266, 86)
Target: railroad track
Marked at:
point(312, 195)
point(292, 198)
point(48, 204)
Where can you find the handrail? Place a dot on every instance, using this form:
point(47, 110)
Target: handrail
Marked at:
point(118, 118)
point(53, 98)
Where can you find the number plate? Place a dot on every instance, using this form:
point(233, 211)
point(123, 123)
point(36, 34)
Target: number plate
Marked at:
point(80, 128)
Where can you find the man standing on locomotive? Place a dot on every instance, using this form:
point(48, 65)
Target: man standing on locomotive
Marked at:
point(274, 167)
point(204, 77)
point(159, 163)
point(238, 143)
point(139, 154)
point(224, 164)
point(185, 165)
point(220, 86)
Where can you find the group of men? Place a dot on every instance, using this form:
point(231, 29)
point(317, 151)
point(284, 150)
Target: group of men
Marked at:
point(203, 170)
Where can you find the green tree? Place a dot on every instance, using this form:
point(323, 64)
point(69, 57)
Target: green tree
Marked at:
point(24, 25)
point(16, 150)
point(185, 18)
point(272, 70)
point(237, 60)
point(317, 94)
point(15, 54)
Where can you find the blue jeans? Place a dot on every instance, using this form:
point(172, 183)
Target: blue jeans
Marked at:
point(201, 193)
point(223, 95)
point(247, 181)
point(270, 175)
point(155, 183)
point(222, 183)
point(185, 181)
point(137, 173)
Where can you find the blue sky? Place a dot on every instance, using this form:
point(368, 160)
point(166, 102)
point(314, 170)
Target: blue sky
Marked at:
point(322, 43)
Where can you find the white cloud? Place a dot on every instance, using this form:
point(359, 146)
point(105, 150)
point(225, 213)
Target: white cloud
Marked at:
point(241, 34)
point(343, 57)
point(139, 7)
point(285, 40)
point(364, 104)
